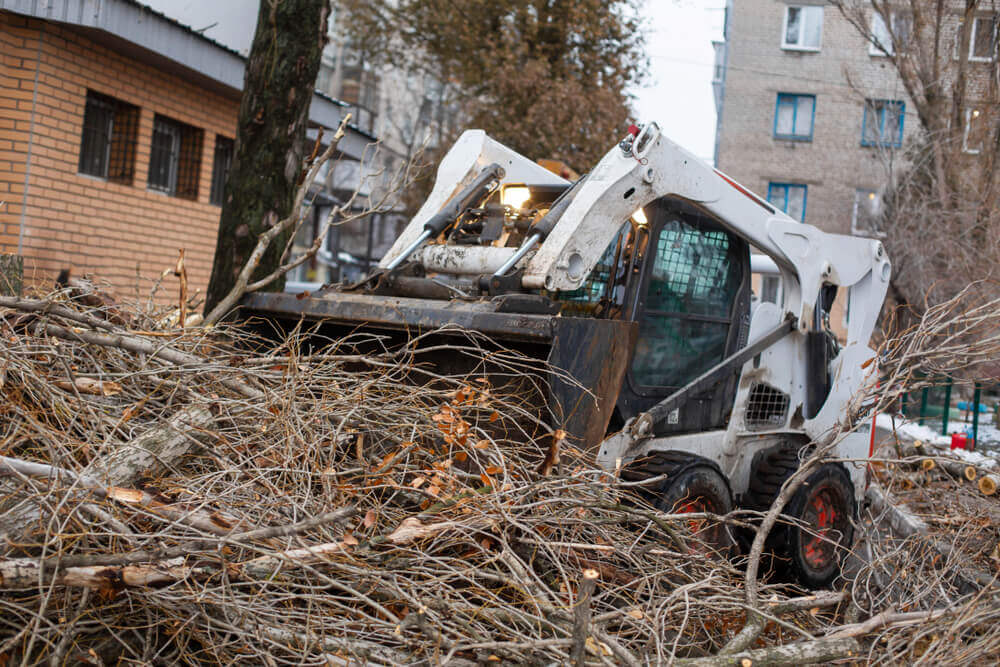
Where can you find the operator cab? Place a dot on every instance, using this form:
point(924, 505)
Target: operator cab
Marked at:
point(685, 281)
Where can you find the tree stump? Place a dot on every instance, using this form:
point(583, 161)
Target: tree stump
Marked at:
point(11, 275)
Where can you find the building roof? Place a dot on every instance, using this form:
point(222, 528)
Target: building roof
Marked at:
point(145, 34)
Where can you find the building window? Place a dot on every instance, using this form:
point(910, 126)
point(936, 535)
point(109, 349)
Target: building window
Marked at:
point(983, 39)
point(793, 117)
point(866, 218)
point(220, 168)
point(883, 123)
point(972, 137)
point(883, 41)
point(788, 197)
point(175, 158)
point(770, 289)
point(107, 145)
point(803, 28)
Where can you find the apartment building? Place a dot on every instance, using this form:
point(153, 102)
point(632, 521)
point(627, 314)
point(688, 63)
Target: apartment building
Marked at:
point(812, 112)
point(117, 128)
point(811, 115)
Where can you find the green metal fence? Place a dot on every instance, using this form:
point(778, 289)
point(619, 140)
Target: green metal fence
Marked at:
point(936, 401)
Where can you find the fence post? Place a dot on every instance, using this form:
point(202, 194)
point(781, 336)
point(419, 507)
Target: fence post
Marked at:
point(11, 275)
point(947, 408)
point(923, 405)
point(976, 396)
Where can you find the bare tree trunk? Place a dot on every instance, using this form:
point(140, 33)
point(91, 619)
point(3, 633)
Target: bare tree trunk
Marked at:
point(278, 88)
point(11, 275)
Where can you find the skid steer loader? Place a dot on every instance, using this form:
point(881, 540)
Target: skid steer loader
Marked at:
point(635, 280)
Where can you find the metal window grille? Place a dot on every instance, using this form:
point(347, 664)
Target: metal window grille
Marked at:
point(107, 144)
point(175, 158)
point(766, 409)
point(224, 149)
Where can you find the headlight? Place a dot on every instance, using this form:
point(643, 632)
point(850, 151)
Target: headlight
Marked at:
point(639, 217)
point(515, 196)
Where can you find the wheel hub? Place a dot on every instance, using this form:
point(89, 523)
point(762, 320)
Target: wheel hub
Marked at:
point(823, 521)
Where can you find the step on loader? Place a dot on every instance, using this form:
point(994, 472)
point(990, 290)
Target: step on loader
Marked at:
point(633, 283)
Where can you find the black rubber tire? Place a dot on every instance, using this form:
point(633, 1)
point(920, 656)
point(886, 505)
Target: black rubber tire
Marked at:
point(814, 554)
point(691, 484)
point(825, 502)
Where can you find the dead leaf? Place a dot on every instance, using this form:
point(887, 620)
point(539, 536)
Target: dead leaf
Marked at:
point(635, 613)
point(369, 519)
point(349, 540)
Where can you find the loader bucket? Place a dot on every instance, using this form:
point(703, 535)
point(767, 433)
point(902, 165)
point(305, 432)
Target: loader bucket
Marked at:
point(575, 389)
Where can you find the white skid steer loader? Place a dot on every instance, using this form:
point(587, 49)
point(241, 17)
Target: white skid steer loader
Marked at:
point(635, 281)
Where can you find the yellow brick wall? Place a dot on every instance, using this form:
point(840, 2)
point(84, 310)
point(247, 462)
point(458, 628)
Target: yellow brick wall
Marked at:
point(72, 220)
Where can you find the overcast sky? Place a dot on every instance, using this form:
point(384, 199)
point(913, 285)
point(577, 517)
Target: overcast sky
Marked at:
point(678, 93)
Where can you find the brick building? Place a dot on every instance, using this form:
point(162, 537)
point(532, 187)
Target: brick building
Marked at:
point(116, 132)
point(811, 115)
point(811, 111)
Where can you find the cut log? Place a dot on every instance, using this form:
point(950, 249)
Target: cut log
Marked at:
point(988, 484)
point(969, 472)
point(927, 465)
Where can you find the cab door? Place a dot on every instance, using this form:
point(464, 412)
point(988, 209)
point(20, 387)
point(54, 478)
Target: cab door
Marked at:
point(692, 306)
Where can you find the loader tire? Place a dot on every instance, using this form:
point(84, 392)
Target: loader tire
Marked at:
point(690, 484)
point(824, 503)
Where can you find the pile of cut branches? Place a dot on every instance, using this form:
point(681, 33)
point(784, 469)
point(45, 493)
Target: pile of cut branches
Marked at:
point(202, 496)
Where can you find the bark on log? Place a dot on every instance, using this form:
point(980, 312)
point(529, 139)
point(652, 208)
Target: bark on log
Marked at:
point(819, 650)
point(11, 275)
point(158, 447)
point(152, 452)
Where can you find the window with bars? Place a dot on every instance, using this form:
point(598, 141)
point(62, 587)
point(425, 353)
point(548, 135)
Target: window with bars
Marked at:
point(224, 149)
point(107, 144)
point(175, 158)
point(883, 123)
point(793, 116)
